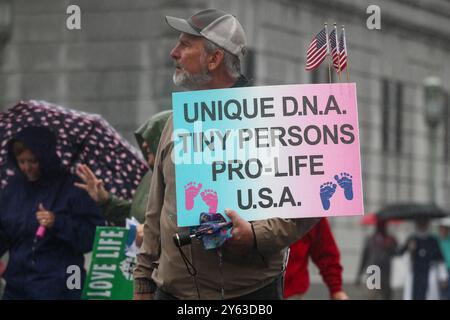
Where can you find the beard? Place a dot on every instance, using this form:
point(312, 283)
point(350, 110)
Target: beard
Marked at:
point(190, 81)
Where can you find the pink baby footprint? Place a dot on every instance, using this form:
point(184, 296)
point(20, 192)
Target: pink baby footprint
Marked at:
point(209, 197)
point(191, 190)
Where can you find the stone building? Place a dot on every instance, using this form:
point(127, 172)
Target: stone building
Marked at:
point(118, 65)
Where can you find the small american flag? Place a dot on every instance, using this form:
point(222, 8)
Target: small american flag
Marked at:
point(335, 53)
point(343, 51)
point(317, 50)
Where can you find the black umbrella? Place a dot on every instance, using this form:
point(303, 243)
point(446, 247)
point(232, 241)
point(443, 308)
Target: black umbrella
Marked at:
point(411, 211)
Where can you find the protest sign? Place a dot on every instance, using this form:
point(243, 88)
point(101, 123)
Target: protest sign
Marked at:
point(288, 151)
point(110, 275)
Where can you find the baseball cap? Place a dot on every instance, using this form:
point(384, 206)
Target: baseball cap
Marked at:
point(219, 27)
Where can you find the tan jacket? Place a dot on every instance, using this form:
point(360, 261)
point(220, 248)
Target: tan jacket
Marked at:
point(160, 260)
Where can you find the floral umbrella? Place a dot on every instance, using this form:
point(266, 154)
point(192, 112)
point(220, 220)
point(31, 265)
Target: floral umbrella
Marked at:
point(82, 138)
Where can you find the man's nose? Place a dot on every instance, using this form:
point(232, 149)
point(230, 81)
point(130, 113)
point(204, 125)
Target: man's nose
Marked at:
point(175, 53)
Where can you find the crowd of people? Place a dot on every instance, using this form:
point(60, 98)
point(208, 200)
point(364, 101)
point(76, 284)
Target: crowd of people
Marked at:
point(427, 261)
point(263, 259)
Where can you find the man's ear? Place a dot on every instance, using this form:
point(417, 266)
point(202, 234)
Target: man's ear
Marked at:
point(215, 60)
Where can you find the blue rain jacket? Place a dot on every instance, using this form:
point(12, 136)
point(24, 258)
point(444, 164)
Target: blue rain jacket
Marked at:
point(39, 269)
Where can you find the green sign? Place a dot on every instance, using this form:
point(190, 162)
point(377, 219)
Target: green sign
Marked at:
point(110, 275)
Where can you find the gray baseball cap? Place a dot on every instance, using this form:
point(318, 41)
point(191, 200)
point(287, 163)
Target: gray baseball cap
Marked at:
point(219, 27)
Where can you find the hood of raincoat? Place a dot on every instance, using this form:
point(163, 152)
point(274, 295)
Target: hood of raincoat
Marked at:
point(150, 131)
point(42, 143)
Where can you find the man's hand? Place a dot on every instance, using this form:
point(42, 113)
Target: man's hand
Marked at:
point(242, 235)
point(340, 295)
point(44, 217)
point(139, 234)
point(144, 296)
point(91, 184)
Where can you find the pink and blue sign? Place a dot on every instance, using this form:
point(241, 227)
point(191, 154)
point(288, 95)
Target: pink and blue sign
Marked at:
point(288, 151)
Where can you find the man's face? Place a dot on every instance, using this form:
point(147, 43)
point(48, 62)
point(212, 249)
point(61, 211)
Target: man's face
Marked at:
point(150, 155)
point(191, 69)
point(29, 165)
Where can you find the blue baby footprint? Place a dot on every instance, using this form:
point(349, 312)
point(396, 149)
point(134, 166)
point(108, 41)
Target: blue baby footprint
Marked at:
point(345, 182)
point(326, 192)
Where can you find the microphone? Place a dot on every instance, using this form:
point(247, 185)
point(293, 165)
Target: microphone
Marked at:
point(185, 238)
point(182, 239)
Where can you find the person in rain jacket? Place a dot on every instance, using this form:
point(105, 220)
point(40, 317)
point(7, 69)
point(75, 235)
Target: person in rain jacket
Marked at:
point(444, 244)
point(115, 209)
point(426, 270)
point(379, 250)
point(319, 244)
point(43, 194)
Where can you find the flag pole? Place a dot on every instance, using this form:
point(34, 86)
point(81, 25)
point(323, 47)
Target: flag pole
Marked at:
point(337, 51)
point(328, 51)
point(346, 54)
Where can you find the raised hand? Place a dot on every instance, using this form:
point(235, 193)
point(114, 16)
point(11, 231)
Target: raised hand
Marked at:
point(91, 184)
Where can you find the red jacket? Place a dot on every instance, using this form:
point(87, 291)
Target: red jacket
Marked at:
point(320, 245)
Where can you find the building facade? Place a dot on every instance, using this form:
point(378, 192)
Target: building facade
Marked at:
point(118, 65)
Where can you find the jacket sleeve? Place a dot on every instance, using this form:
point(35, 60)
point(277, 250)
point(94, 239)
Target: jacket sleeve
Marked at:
point(274, 235)
point(437, 253)
point(406, 246)
point(116, 210)
point(4, 242)
point(4, 239)
point(150, 249)
point(78, 223)
point(325, 254)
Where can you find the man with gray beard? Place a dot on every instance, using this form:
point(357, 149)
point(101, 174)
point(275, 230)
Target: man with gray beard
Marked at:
point(207, 55)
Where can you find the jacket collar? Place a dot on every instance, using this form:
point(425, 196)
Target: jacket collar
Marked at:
point(242, 81)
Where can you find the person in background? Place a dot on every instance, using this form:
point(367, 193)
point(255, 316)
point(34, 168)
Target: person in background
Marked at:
point(42, 193)
point(379, 249)
point(116, 210)
point(426, 273)
point(444, 243)
point(319, 245)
